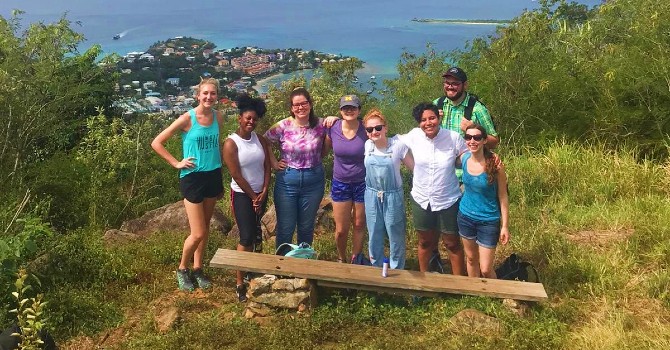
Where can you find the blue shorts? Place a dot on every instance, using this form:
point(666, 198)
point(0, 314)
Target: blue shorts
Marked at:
point(485, 233)
point(344, 192)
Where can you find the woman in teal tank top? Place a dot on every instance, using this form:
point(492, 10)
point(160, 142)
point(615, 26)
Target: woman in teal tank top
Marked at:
point(483, 211)
point(200, 179)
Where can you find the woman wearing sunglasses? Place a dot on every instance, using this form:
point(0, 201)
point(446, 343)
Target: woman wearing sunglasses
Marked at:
point(384, 199)
point(483, 212)
point(347, 139)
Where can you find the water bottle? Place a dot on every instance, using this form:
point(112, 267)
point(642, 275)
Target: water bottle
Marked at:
point(385, 267)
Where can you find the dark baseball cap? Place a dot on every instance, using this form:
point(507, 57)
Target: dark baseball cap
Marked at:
point(456, 73)
point(350, 100)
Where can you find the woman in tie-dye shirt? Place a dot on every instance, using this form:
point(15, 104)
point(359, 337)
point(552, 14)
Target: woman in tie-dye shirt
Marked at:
point(300, 182)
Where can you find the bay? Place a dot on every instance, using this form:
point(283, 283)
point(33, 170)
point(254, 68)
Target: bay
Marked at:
point(376, 31)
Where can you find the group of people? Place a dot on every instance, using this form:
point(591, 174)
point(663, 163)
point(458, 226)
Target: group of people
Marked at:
point(467, 209)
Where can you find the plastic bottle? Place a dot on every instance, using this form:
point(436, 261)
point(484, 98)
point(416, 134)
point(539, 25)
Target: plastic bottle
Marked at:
point(385, 267)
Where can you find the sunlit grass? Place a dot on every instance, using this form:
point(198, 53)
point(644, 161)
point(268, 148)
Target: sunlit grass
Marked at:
point(596, 224)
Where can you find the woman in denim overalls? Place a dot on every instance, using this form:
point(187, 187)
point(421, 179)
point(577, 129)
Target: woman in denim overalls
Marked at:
point(384, 199)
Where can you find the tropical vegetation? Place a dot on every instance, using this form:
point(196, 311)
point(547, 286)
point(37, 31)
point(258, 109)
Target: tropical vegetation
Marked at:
point(581, 98)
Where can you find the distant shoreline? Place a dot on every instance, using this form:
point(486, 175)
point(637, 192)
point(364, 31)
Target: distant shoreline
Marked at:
point(265, 80)
point(463, 21)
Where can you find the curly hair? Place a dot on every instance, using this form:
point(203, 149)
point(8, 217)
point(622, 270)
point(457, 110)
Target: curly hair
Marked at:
point(245, 103)
point(417, 112)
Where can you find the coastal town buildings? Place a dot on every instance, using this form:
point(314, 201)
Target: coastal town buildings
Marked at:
point(161, 79)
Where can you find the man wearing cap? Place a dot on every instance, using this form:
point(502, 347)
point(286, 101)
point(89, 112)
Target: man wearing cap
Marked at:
point(457, 99)
point(347, 138)
point(452, 108)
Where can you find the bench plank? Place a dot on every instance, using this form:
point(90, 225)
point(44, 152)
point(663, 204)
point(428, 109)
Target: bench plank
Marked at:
point(328, 273)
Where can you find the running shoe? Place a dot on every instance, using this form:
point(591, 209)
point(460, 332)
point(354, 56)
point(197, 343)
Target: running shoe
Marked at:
point(201, 280)
point(184, 280)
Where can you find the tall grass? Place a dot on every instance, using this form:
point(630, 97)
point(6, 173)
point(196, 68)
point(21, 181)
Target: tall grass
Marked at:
point(604, 293)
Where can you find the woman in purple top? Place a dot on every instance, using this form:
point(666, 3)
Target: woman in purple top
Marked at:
point(347, 138)
point(300, 182)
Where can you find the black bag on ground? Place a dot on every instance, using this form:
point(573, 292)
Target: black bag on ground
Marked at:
point(435, 264)
point(515, 268)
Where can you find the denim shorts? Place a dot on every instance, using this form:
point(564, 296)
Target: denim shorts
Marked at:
point(485, 233)
point(344, 192)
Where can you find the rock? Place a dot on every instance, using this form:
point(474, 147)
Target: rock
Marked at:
point(283, 300)
point(518, 307)
point(234, 232)
point(114, 235)
point(269, 222)
point(290, 284)
point(166, 319)
point(471, 321)
point(326, 204)
point(248, 313)
point(257, 310)
point(261, 285)
point(323, 220)
point(303, 308)
point(171, 217)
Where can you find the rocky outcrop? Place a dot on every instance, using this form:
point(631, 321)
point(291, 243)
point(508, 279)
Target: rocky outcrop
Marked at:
point(170, 217)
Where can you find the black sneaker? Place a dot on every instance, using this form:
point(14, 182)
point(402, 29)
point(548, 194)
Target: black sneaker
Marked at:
point(184, 280)
point(241, 291)
point(201, 280)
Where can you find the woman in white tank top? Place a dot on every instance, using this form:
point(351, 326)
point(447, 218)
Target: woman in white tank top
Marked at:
point(245, 154)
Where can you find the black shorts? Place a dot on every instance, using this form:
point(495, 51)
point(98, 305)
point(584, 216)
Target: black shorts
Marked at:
point(197, 186)
point(248, 222)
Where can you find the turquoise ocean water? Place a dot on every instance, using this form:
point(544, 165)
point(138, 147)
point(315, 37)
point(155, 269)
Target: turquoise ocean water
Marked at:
point(376, 31)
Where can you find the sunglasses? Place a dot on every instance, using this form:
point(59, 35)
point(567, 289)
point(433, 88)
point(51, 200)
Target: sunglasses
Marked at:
point(379, 127)
point(477, 138)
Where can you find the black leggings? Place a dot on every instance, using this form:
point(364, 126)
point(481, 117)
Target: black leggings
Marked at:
point(248, 222)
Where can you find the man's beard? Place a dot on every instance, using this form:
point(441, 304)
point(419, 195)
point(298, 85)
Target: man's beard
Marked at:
point(457, 96)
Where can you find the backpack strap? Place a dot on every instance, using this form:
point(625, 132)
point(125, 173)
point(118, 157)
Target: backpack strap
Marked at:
point(440, 102)
point(470, 106)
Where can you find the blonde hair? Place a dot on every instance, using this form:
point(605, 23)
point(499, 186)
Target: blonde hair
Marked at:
point(374, 113)
point(206, 81)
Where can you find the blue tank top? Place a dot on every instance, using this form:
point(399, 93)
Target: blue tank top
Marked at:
point(201, 143)
point(480, 199)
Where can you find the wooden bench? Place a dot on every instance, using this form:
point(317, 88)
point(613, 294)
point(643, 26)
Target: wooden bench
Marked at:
point(338, 275)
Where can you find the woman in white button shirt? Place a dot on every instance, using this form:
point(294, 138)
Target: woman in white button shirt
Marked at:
point(435, 188)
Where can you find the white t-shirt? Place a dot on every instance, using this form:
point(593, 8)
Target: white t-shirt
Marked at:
point(434, 180)
point(398, 152)
point(251, 156)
